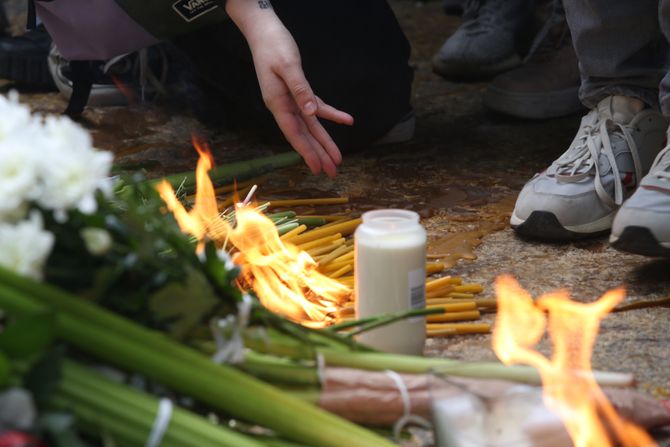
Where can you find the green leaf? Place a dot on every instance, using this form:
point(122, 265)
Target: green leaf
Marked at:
point(28, 336)
point(5, 370)
point(43, 378)
point(184, 304)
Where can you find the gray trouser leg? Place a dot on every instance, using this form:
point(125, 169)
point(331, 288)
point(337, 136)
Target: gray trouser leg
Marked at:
point(664, 94)
point(620, 47)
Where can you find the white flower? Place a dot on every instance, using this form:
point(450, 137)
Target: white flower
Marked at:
point(98, 241)
point(24, 247)
point(16, 214)
point(71, 169)
point(19, 176)
point(15, 116)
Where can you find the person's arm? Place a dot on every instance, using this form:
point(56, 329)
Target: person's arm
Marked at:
point(285, 90)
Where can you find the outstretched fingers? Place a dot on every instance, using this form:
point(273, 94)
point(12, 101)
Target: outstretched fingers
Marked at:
point(330, 113)
point(300, 89)
point(301, 125)
point(327, 163)
point(323, 139)
point(298, 135)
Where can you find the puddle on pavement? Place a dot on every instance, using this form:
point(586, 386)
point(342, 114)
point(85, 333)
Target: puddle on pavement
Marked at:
point(461, 244)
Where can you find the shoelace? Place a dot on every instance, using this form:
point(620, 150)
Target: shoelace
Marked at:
point(478, 14)
point(581, 162)
point(661, 166)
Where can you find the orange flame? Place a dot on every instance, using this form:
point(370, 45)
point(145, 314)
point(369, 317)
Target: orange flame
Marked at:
point(569, 386)
point(125, 90)
point(284, 278)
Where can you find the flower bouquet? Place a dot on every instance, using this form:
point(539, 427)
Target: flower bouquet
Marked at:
point(98, 244)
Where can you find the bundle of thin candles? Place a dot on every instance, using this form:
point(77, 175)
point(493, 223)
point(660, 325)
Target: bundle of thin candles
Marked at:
point(328, 239)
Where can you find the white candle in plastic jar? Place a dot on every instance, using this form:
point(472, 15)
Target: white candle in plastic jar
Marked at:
point(390, 272)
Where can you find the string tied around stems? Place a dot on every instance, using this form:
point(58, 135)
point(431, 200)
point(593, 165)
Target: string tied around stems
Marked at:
point(163, 417)
point(228, 334)
point(321, 367)
point(407, 417)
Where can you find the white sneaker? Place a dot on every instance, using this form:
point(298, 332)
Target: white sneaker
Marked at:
point(402, 132)
point(642, 225)
point(579, 194)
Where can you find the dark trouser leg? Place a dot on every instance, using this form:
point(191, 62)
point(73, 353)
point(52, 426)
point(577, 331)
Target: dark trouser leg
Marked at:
point(4, 23)
point(354, 54)
point(664, 94)
point(620, 48)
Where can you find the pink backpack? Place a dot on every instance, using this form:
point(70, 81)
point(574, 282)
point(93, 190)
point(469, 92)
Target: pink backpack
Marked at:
point(92, 29)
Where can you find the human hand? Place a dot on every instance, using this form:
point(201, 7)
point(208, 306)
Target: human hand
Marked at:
point(286, 91)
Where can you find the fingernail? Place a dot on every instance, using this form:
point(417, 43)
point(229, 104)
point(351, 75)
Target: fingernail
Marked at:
point(309, 107)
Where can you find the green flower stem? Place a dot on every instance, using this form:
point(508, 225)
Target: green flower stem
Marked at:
point(273, 442)
point(312, 221)
point(349, 324)
point(91, 387)
point(281, 345)
point(276, 217)
point(128, 345)
point(286, 227)
point(308, 395)
point(276, 370)
point(280, 371)
point(241, 170)
point(370, 323)
point(94, 421)
point(274, 343)
point(142, 421)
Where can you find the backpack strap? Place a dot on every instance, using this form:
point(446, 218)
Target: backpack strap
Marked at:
point(82, 77)
point(82, 83)
point(32, 15)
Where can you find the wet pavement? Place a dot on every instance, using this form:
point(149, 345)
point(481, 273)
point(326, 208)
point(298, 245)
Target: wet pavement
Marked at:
point(461, 173)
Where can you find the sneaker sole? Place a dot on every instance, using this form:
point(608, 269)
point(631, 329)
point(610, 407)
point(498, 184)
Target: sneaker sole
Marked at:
point(474, 71)
point(640, 241)
point(542, 105)
point(543, 225)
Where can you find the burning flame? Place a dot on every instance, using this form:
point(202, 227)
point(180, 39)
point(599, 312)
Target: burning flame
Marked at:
point(284, 278)
point(125, 90)
point(569, 386)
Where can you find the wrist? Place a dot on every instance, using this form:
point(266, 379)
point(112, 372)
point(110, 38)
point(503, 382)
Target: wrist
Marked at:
point(252, 17)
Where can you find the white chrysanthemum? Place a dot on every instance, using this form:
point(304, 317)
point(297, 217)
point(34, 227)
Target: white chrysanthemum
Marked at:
point(71, 169)
point(19, 176)
point(25, 246)
point(13, 116)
